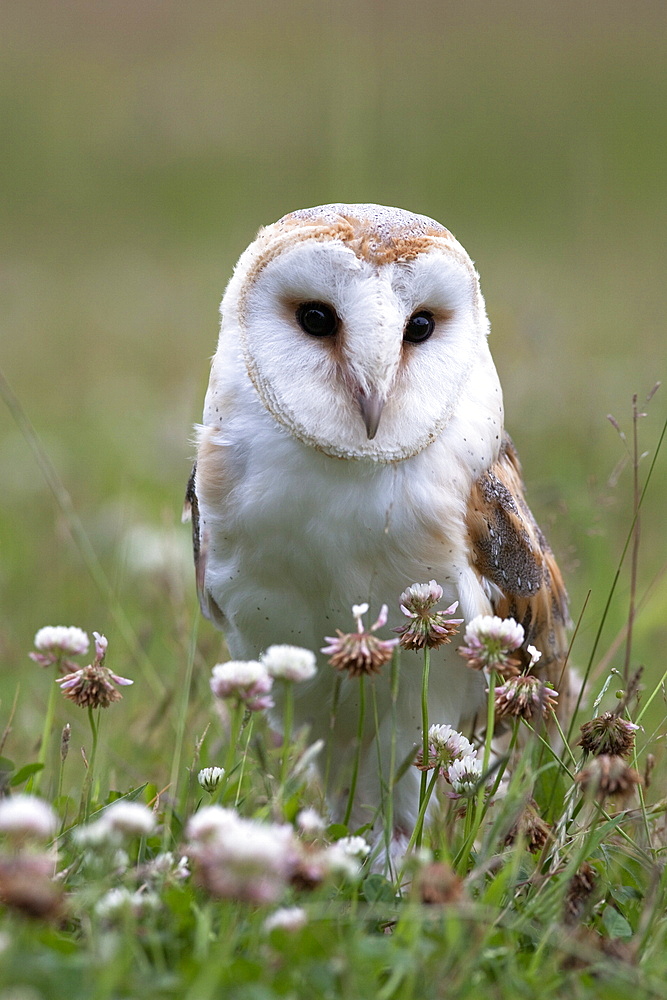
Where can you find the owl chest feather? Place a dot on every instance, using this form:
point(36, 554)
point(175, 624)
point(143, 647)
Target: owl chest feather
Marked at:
point(301, 537)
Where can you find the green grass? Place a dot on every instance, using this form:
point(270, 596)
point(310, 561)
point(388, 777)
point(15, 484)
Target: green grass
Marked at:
point(142, 148)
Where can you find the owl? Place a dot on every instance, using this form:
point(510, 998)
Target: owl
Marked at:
point(352, 444)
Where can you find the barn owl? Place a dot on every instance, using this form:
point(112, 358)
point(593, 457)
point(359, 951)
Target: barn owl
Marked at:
point(352, 444)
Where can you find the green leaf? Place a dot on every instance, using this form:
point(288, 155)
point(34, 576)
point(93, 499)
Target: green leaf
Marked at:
point(25, 772)
point(337, 830)
point(377, 889)
point(615, 923)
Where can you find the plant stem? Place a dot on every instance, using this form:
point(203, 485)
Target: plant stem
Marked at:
point(235, 725)
point(46, 738)
point(332, 724)
point(634, 558)
point(474, 817)
point(357, 754)
point(424, 777)
point(87, 790)
point(416, 833)
point(288, 723)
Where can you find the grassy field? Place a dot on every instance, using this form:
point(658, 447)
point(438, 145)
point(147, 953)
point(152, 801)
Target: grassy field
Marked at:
point(143, 145)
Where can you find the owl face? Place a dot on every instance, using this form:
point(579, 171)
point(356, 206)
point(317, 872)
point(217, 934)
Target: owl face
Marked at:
point(359, 327)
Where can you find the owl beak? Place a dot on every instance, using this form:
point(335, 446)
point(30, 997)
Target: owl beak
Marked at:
point(371, 405)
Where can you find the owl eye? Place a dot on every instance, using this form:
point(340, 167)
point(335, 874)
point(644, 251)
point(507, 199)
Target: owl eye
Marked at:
point(317, 318)
point(419, 327)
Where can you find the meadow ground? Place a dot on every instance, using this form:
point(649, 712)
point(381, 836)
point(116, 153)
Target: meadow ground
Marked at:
point(143, 148)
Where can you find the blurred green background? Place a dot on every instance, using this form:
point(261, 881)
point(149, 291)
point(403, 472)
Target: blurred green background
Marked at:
point(143, 145)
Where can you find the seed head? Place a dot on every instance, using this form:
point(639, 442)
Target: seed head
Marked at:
point(608, 775)
point(608, 734)
point(426, 627)
point(360, 652)
point(437, 883)
point(93, 686)
point(580, 893)
point(530, 825)
point(524, 697)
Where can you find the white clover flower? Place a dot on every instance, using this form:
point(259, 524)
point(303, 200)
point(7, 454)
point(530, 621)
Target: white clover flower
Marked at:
point(290, 663)
point(166, 863)
point(288, 918)
point(464, 774)
point(210, 777)
point(25, 817)
point(446, 740)
point(211, 822)
point(56, 643)
point(116, 902)
point(489, 642)
point(355, 847)
point(310, 822)
point(445, 744)
point(131, 819)
point(94, 835)
point(62, 639)
point(246, 681)
point(252, 861)
point(335, 860)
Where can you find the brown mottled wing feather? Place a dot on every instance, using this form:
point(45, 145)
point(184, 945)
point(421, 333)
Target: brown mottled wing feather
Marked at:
point(517, 568)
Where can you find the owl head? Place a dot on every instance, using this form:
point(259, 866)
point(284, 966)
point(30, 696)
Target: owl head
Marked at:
point(359, 327)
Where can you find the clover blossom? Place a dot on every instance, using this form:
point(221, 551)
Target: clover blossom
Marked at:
point(57, 643)
point(25, 817)
point(289, 663)
point(525, 697)
point(287, 918)
point(445, 745)
point(426, 627)
point(93, 686)
point(464, 774)
point(489, 642)
point(360, 652)
point(246, 682)
point(238, 858)
point(210, 777)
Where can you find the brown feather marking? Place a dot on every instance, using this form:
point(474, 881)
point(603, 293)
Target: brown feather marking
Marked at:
point(509, 550)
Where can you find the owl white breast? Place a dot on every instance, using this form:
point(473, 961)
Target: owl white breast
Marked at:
point(352, 444)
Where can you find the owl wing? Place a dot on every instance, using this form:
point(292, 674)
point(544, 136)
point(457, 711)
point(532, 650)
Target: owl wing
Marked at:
point(208, 606)
point(517, 568)
point(191, 513)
